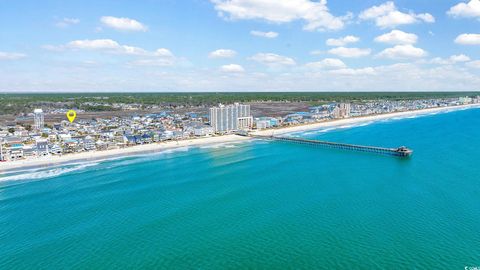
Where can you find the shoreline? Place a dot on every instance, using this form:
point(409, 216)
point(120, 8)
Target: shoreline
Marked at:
point(360, 119)
point(152, 148)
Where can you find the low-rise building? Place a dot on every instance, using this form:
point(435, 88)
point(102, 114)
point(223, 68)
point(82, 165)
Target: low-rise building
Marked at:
point(203, 131)
point(89, 144)
point(266, 122)
point(15, 151)
point(465, 100)
point(42, 147)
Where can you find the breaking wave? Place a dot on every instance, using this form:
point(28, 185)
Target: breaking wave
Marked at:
point(45, 173)
point(328, 129)
point(221, 145)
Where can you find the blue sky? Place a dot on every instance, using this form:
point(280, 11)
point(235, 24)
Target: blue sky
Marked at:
point(239, 45)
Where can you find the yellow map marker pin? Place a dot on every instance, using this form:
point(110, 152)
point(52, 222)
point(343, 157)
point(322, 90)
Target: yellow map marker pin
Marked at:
point(71, 115)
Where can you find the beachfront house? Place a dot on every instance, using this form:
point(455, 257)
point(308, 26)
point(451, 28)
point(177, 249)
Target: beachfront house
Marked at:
point(14, 147)
point(197, 129)
point(42, 147)
point(71, 146)
point(89, 144)
point(298, 117)
point(29, 151)
point(129, 140)
point(204, 130)
point(147, 138)
point(15, 151)
point(265, 122)
point(101, 145)
point(55, 149)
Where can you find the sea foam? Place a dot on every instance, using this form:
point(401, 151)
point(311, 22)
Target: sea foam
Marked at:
point(36, 174)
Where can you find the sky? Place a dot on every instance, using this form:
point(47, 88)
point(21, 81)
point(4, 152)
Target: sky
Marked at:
point(239, 45)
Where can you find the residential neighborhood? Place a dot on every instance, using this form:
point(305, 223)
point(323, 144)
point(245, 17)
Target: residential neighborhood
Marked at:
point(37, 139)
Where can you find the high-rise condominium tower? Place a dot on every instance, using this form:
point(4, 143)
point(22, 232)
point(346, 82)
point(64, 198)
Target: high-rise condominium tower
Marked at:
point(38, 118)
point(227, 118)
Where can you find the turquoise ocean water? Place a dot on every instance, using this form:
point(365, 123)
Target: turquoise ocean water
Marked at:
point(259, 205)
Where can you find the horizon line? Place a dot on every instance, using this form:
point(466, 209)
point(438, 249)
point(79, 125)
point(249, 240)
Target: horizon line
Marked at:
point(229, 92)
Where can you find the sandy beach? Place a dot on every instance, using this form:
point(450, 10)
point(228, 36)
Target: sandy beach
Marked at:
point(115, 153)
point(355, 120)
point(158, 147)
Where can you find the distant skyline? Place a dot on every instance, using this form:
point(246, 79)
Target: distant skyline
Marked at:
point(239, 45)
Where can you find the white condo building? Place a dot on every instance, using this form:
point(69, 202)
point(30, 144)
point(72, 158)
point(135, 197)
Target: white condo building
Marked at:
point(227, 118)
point(38, 119)
point(345, 110)
point(342, 110)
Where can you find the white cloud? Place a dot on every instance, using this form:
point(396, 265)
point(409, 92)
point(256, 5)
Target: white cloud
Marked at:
point(437, 61)
point(394, 19)
point(350, 52)
point(107, 45)
point(377, 11)
point(125, 49)
point(459, 58)
point(327, 63)
point(110, 46)
point(11, 56)
point(163, 52)
point(123, 24)
point(66, 22)
point(117, 77)
point(466, 10)
point(474, 64)
point(402, 52)
point(159, 57)
point(315, 13)
point(468, 39)
point(273, 60)
point(232, 68)
point(387, 15)
point(426, 17)
point(222, 53)
point(342, 41)
point(397, 37)
point(269, 34)
point(95, 44)
point(354, 72)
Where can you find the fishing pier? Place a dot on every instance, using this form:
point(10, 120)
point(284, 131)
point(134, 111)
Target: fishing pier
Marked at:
point(401, 151)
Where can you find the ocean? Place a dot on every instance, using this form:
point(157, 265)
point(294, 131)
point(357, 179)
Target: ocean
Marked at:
point(259, 205)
